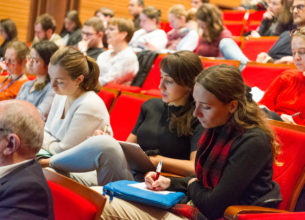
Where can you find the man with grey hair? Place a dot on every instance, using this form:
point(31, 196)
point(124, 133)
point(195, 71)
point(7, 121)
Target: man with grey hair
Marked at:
point(24, 192)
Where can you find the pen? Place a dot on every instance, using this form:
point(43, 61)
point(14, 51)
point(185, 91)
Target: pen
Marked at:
point(158, 170)
point(295, 114)
point(105, 128)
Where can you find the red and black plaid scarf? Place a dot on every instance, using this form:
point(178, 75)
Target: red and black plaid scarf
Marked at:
point(213, 150)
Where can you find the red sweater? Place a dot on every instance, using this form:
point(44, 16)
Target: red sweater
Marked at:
point(286, 95)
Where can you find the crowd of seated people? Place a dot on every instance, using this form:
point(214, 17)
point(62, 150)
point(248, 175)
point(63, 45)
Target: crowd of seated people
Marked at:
point(204, 117)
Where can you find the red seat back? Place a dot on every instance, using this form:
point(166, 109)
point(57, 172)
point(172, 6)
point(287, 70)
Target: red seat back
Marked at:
point(124, 114)
point(206, 62)
point(152, 80)
point(261, 75)
point(108, 97)
point(233, 15)
point(255, 45)
point(236, 27)
point(293, 158)
point(69, 205)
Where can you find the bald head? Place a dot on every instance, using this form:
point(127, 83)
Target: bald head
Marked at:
point(22, 119)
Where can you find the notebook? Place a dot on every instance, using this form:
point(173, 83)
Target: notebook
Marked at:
point(136, 157)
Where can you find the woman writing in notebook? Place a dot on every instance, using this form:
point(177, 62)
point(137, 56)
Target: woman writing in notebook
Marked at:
point(234, 157)
point(165, 127)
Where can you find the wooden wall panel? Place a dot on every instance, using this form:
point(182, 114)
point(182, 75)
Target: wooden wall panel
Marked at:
point(87, 8)
point(18, 11)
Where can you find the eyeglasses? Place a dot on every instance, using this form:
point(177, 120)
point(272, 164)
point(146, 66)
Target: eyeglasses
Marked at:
point(8, 61)
point(32, 59)
point(88, 34)
point(298, 7)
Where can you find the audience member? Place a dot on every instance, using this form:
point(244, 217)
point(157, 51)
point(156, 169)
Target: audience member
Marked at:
point(77, 111)
point(165, 128)
point(285, 95)
point(24, 192)
point(14, 62)
point(149, 37)
point(105, 14)
point(197, 3)
point(236, 151)
point(119, 64)
point(39, 91)
point(209, 19)
point(8, 31)
point(180, 37)
point(71, 32)
point(45, 26)
point(272, 24)
point(92, 35)
point(281, 50)
point(135, 7)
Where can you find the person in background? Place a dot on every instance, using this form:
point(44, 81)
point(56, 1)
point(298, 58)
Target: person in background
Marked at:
point(149, 37)
point(236, 151)
point(180, 37)
point(24, 191)
point(45, 26)
point(92, 35)
point(275, 19)
point(71, 32)
point(105, 14)
point(8, 31)
point(119, 64)
point(197, 3)
point(15, 63)
point(39, 91)
point(281, 50)
point(285, 95)
point(209, 19)
point(135, 7)
point(166, 129)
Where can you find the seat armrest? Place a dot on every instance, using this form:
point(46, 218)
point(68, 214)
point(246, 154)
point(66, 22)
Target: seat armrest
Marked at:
point(232, 212)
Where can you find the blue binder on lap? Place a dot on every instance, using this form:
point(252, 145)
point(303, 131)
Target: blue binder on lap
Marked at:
point(129, 190)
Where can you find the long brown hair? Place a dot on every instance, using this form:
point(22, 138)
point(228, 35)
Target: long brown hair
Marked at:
point(212, 16)
point(76, 64)
point(226, 83)
point(183, 67)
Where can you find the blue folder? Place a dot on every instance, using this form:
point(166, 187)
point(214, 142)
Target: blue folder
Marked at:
point(123, 190)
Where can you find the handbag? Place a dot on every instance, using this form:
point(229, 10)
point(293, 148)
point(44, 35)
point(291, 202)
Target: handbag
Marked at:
point(136, 192)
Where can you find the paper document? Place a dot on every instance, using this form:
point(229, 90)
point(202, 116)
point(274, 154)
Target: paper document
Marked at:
point(142, 186)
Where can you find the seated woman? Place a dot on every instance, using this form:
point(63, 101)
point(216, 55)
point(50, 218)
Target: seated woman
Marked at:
point(286, 94)
point(216, 40)
point(165, 126)
point(8, 31)
point(39, 91)
point(149, 37)
point(119, 64)
point(14, 63)
point(276, 19)
point(77, 111)
point(72, 31)
point(234, 157)
point(180, 37)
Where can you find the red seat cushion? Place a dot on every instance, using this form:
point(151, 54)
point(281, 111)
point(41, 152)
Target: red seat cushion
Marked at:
point(69, 205)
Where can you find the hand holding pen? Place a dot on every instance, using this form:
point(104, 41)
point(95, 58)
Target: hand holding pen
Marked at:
point(154, 181)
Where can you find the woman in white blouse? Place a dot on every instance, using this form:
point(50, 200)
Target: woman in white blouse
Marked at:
point(149, 37)
point(119, 64)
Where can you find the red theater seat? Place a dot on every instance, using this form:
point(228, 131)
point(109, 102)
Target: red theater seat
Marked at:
point(108, 96)
point(236, 27)
point(124, 114)
point(262, 74)
point(233, 15)
point(73, 200)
